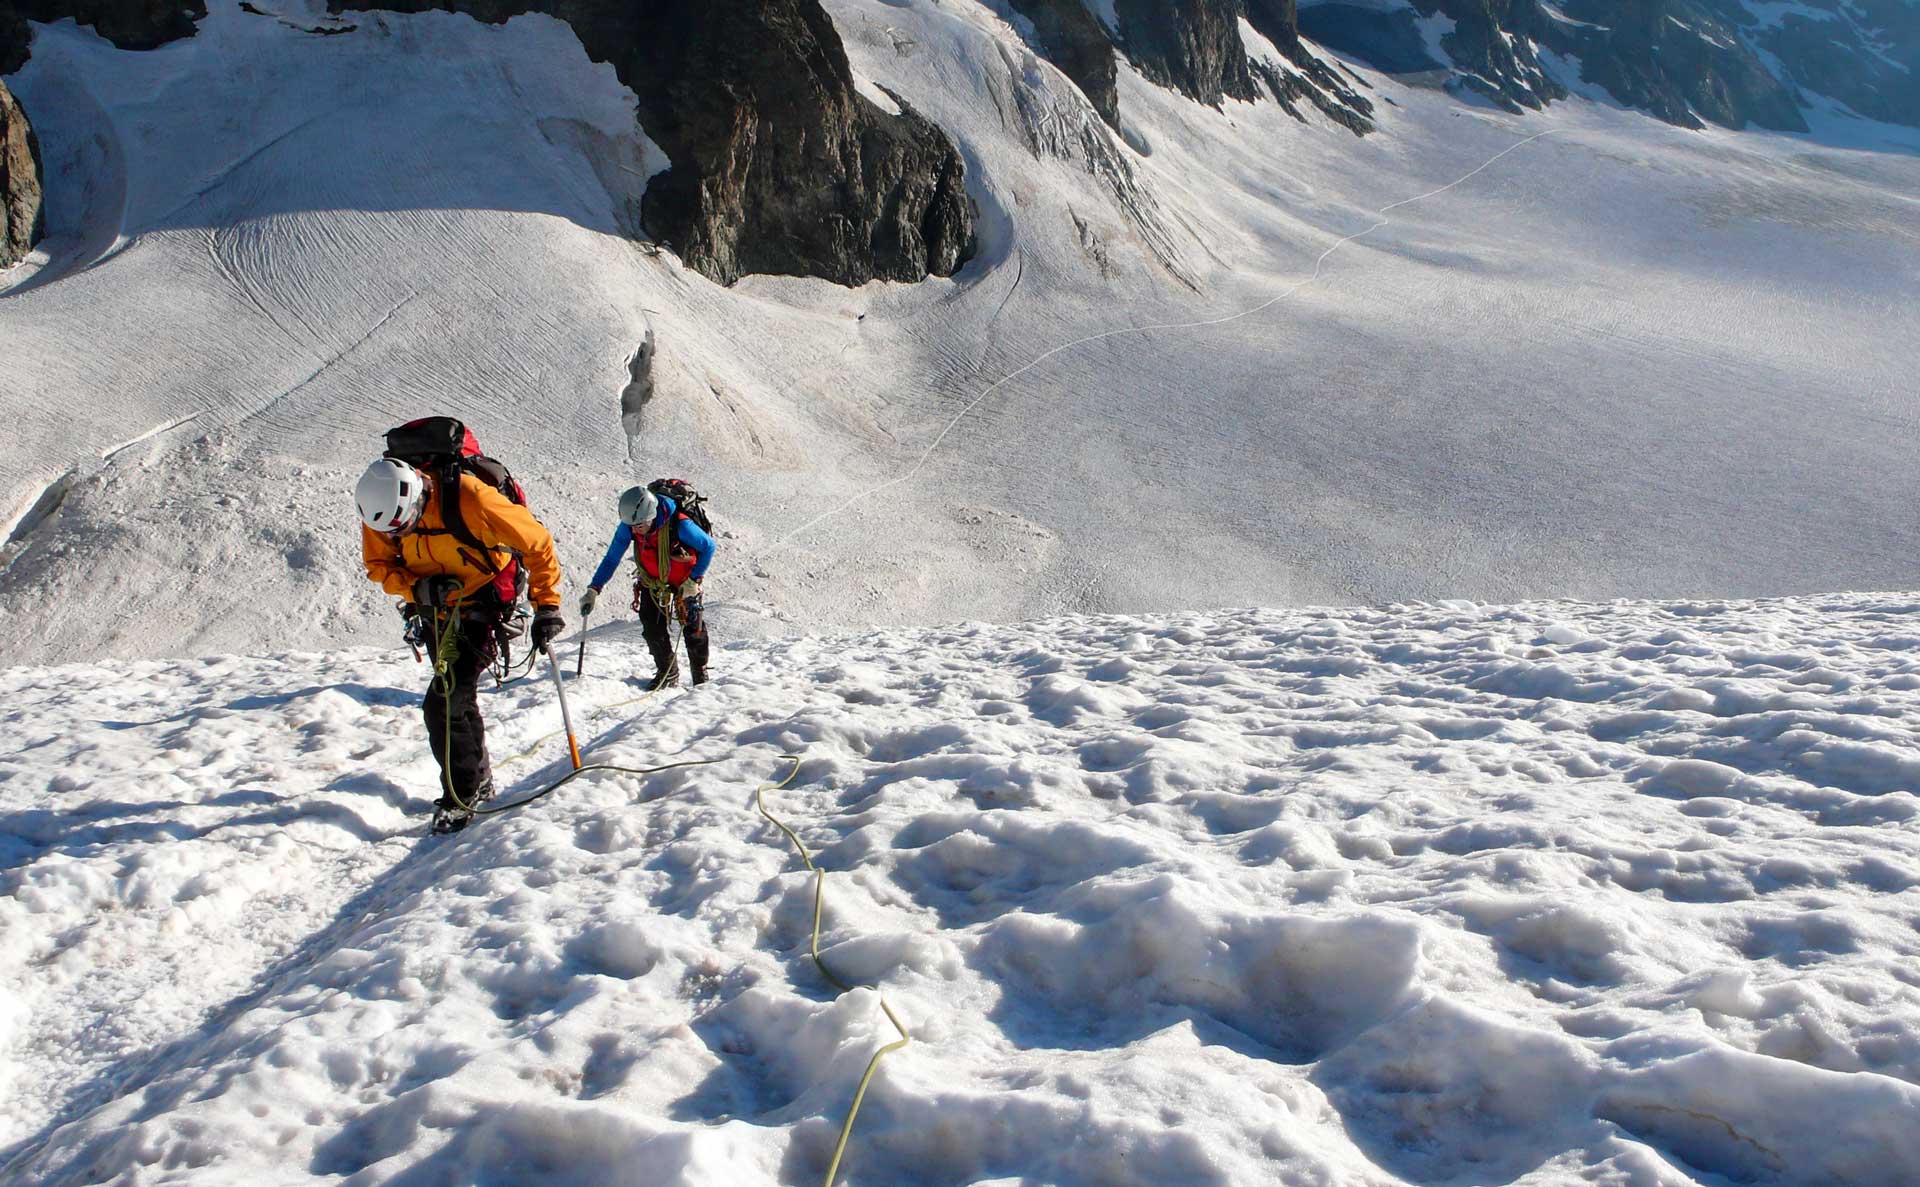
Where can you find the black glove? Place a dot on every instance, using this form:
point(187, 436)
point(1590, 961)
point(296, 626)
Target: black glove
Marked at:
point(546, 624)
point(436, 592)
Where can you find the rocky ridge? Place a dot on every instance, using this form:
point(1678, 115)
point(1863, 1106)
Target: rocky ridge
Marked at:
point(1066, 33)
point(21, 219)
point(1690, 62)
point(779, 164)
point(1194, 47)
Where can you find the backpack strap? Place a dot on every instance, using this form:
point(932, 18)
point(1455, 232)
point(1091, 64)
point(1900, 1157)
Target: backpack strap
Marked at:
point(450, 514)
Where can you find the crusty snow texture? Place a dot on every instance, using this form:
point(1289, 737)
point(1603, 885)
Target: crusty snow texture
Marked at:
point(1623, 894)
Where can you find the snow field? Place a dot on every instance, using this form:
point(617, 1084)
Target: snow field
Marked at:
point(1619, 893)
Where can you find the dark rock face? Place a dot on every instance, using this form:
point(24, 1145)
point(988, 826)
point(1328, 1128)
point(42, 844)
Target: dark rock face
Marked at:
point(22, 221)
point(14, 38)
point(1386, 39)
point(1501, 68)
point(1192, 46)
point(1067, 35)
point(129, 24)
point(1866, 54)
point(1678, 60)
point(1316, 82)
point(1733, 62)
point(779, 164)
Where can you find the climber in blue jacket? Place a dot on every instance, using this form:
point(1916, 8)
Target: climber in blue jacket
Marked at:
point(670, 554)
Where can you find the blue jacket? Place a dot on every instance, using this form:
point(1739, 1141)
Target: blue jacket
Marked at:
point(689, 533)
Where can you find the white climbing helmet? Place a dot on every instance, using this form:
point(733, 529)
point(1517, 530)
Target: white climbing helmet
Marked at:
point(391, 495)
point(638, 506)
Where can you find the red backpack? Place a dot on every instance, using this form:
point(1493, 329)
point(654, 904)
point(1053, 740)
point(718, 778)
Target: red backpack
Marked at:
point(445, 448)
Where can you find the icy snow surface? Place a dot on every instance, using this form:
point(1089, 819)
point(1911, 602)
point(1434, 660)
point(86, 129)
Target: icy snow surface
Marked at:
point(1625, 360)
point(1430, 894)
point(1542, 894)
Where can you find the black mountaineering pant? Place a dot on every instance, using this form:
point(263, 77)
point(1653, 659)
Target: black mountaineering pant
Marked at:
point(452, 710)
point(653, 624)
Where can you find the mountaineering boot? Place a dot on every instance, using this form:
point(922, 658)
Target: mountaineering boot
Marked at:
point(699, 674)
point(664, 678)
point(450, 818)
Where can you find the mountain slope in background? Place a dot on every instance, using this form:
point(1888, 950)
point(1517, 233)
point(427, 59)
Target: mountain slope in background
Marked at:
point(1194, 359)
point(754, 104)
point(1730, 62)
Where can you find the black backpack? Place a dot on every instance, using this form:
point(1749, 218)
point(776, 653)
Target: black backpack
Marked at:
point(445, 448)
point(691, 502)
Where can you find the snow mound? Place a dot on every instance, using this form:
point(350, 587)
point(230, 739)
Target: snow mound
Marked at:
point(1401, 895)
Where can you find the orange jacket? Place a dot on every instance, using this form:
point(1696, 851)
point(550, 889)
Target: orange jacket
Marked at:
point(429, 550)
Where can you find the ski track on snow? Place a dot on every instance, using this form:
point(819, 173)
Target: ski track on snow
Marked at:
point(1269, 303)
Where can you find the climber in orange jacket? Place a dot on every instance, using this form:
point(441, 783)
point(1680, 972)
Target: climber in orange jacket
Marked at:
point(459, 578)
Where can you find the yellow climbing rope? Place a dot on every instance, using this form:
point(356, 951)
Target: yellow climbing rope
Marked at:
point(819, 904)
point(819, 898)
point(446, 649)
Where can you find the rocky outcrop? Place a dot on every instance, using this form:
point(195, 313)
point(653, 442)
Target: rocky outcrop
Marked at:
point(779, 164)
point(22, 220)
point(1729, 62)
point(1387, 39)
point(129, 24)
point(1192, 46)
point(1312, 79)
point(1066, 34)
point(1677, 59)
point(1492, 47)
point(1863, 53)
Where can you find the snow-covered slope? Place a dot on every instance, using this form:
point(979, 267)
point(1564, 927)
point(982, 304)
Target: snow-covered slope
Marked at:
point(1620, 360)
point(1541, 894)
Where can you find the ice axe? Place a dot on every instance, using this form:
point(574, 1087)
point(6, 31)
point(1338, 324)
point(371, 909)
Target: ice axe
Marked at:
point(581, 666)
point(566, 716)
